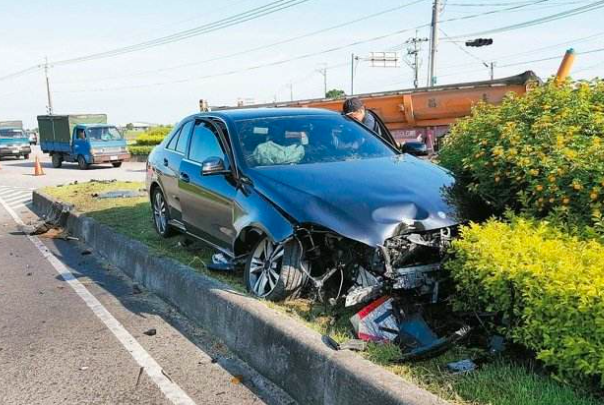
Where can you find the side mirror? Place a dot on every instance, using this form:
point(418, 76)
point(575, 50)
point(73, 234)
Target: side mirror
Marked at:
point(415, 148)
point(213, 165)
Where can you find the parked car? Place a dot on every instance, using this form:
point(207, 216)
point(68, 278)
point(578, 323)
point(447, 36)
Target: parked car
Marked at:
point(304, 195)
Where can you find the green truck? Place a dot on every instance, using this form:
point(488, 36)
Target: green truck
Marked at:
point(13, 141)
point(85, 139)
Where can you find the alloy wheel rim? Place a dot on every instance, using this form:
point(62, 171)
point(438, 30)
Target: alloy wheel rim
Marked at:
point(265, 267)
point(159, 212)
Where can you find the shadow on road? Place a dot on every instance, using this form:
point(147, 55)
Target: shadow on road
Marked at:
point(48, 165)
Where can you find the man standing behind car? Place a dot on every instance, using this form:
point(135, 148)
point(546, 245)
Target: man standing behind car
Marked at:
point(354, 108)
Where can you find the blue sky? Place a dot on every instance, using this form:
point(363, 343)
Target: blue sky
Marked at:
point(144, 86)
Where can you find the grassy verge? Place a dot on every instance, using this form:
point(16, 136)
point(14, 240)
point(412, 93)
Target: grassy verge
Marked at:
point(500, 382)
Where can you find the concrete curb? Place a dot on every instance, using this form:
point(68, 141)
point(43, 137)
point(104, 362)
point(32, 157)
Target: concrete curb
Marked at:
point(280, 348)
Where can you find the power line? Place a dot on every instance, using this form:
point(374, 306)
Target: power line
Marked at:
point(535, 50)
point(526, 62)
point(237, 19)
point(20, 73)
point(564, 14)
point(325, 51)
point(354, 43)
point(268, 46)
point(252, 14)
point(467, 17)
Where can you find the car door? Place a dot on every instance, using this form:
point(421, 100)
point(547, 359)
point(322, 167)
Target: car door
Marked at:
point(208, 200)
point(80, 143)
point(384, 133)
point(173, 154)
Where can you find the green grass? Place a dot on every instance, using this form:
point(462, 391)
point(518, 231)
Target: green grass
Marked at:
point(499, 382)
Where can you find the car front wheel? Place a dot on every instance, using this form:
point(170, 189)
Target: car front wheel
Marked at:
point(274, 270)
point(161, 214)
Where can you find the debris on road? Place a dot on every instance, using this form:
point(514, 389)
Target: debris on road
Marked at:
point(238, 379)
point(50, 230)
point(151, 332)
point(86, 252)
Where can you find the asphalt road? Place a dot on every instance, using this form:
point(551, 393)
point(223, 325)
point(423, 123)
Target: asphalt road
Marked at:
point(19, 172)
point(72, 329)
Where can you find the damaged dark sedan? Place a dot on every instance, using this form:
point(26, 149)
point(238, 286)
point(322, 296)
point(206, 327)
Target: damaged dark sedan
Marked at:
point(304, 199)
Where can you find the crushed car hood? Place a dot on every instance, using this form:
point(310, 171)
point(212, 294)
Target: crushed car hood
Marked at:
point(367, 200)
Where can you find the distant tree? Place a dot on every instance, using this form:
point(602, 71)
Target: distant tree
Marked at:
point(335, 93)
point(129, 126)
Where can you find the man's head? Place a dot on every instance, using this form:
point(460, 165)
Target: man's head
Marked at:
point(354, 108)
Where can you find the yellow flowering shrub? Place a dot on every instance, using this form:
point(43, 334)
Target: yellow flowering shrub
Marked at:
point(548, 285)
point(541, 153)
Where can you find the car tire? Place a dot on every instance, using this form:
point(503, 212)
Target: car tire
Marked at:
point(283, 276)
point(57, 160)
point(82, 163)
point(26, 156)
point(116, 164)
point(161, 214)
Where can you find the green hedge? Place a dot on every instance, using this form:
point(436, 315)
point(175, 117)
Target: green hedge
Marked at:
point(140, 150)
point(148, 140)
point(549, 286)
point(541, 153)
point(153, 136)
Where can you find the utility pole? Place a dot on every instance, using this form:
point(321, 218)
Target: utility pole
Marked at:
point(492, 70)
point(291, 91)
point(323, 71)
point(433, 43)
point(414, 50)
point(49, 106)
point(352, 74)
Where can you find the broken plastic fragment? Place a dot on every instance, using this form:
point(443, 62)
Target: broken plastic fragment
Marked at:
point(462, 366)
point(376, 322)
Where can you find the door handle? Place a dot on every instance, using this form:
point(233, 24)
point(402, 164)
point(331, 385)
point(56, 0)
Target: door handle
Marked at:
point(165, 162)
point(185, 177)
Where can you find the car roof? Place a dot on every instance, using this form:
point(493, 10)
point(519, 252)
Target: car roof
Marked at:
point(94, 125)
point(253, 113)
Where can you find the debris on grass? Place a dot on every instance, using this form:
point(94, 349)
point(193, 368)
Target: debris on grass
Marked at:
point(462, 366)
point(119, 194)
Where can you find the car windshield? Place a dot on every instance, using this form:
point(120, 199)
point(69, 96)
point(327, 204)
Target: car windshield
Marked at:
point(306, 139)
point(104, 134)
point(11, 133)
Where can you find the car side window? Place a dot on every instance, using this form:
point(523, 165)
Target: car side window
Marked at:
point(172, 144)
point(183, 139)
point(205, 143)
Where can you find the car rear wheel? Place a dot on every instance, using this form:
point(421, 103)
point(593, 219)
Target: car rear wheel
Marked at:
point(274, 270)
point(57, 160)
point(82, 163)
point(26, 156)
point(117, 164)
point(161, 214)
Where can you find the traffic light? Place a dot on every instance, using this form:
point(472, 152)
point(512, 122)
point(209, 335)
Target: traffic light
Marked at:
point(480, 42)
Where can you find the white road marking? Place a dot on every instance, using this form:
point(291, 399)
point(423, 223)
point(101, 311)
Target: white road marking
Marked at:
point(172, 391)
